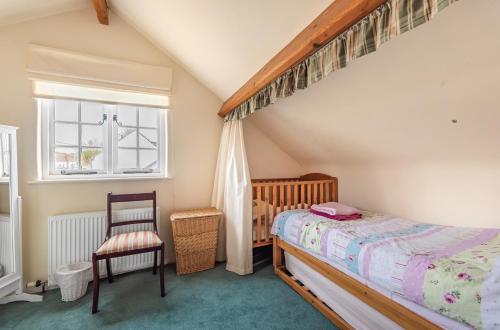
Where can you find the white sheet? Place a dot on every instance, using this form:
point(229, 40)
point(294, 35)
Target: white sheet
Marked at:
point(350, 307)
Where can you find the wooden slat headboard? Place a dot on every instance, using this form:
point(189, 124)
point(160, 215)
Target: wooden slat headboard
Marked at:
point(272, 196)
point(315, 176)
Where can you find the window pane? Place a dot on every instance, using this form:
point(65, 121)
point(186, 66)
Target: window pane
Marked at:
point(148, 159)
point(127, 115)
point(148, 117)
point(66, 110)
point(92, 112)
point(127, 137)
point(66, 158)
point(148, 138)
point(92, 159)
point(127, 158)
point(66, 134)
point(92, 136)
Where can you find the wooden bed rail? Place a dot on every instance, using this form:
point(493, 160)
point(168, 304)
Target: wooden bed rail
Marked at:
point(398, 313)
point(272, 196)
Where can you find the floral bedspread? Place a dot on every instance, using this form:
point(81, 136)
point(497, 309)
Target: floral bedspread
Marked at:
point(451, 270)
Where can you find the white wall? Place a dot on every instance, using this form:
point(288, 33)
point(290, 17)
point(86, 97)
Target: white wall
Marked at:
point(265, 158)
point(383, 125)
point(447, 193)
point(195, 128)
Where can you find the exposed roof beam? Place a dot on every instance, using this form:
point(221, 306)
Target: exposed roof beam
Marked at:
point(334, 20)
point(101, 9)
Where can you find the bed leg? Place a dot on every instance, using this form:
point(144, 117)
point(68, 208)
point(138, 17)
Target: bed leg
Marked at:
point(277, 254)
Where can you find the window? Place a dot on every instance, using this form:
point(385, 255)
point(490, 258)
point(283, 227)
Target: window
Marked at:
point(81, 138)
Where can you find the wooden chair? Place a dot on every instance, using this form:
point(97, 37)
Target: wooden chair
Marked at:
point(125, 244)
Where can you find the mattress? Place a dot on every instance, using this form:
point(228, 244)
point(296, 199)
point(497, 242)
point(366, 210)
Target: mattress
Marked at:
point(349, 307)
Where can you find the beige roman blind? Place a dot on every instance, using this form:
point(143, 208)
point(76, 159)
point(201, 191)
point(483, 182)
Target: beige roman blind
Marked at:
point(54, 65)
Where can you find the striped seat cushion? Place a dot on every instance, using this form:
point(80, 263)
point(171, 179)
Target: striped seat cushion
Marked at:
point(129, 242)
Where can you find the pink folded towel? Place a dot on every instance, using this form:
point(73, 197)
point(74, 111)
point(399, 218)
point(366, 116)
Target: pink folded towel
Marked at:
point(338, 217)
point(333, 208)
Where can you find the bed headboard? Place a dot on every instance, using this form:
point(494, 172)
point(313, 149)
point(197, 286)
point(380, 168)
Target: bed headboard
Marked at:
point(315, 177)
point(272, 196)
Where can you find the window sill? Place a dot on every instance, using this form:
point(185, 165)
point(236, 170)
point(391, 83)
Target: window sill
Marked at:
point(102, 179)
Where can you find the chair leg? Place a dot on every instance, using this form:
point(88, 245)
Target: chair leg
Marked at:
point(108, 269)
point(162, 270)
point(155, 262)
point(95, 283)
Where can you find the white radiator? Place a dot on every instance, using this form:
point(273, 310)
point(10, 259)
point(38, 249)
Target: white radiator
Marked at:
point(5, 243)
point(73, 238)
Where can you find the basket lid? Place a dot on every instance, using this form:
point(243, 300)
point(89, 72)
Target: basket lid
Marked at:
point(204, 212)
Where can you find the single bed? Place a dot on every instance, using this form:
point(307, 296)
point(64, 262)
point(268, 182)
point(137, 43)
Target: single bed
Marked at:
point(383, 272)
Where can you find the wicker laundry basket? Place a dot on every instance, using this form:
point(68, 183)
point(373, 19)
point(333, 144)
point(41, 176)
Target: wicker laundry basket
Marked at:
point(195, 239)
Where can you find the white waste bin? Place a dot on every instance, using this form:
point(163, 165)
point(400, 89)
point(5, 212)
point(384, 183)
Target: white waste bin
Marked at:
point(73, 280)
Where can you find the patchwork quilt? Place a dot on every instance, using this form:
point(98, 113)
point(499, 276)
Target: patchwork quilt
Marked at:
point(453, 271)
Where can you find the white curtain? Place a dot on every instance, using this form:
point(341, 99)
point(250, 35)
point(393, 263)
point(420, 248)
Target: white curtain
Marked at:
point(233, 195)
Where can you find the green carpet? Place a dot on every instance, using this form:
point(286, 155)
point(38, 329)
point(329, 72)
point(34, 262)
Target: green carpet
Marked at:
point(214, 299)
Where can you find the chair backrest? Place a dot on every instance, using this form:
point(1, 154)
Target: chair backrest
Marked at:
point(124, 198)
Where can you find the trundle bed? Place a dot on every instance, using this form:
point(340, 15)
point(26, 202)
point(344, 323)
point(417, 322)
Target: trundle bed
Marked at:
point(352, 300)
point(368, 308)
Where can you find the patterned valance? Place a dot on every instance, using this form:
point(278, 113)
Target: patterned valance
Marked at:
point(385, 23)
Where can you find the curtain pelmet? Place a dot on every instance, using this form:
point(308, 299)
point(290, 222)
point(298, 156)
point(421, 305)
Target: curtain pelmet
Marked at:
point(385, 23)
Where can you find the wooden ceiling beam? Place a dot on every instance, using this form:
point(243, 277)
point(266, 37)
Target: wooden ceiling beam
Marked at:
point(101, 9)
point(334, 20)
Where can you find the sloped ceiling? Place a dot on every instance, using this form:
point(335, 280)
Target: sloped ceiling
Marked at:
point(221, 42)
point(399, 104)
point(14, 11)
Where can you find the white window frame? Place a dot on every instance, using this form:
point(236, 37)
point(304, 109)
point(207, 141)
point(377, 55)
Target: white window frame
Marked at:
point(110, 145)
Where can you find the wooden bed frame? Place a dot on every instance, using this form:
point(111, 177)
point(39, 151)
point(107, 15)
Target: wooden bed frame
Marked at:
point(276, 195)
point(391, 309)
